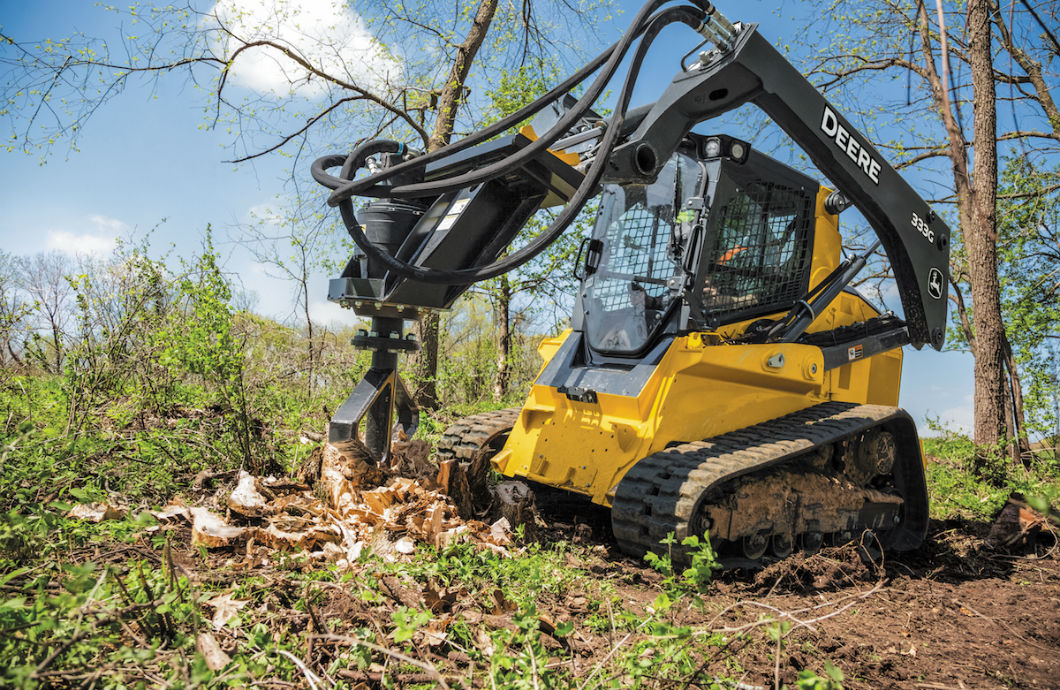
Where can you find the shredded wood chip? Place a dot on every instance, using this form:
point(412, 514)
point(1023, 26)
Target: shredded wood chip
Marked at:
point(245, 499)
point(501, 532)
point(211, 530)
point(96, 512)
point(176, 508)
point(352, 503)
point(290, 535)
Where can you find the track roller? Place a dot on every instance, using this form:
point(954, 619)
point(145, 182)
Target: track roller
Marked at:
point(755, 545)
point(836, 469)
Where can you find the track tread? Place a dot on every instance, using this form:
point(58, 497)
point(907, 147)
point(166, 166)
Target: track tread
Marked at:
point(658, 495)
point(469, 435)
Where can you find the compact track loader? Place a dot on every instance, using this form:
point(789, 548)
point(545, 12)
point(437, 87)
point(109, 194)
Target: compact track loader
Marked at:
point(719, 376)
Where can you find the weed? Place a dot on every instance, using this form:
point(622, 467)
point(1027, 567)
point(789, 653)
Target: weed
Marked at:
point(538, 570)
point(832, 679)
point(702, 564)
point(957, 491)
point(407, 622)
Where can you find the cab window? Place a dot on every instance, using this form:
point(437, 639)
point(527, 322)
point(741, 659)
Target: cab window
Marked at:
point(757, 251)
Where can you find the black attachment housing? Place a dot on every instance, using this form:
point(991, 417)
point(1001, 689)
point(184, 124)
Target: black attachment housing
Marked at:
point(450, 231)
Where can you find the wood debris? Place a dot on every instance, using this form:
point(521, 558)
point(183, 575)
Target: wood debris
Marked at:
point(246, 499)
point(174, 509)
point(211, 530)
point(96, 512)
point(412, 458)
point(344, 501)
point(405, 546)
point(1017, 524)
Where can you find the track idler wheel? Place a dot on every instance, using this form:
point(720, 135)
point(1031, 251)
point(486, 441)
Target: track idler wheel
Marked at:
point(781, 545)
point(811, 542)
point(755, 545)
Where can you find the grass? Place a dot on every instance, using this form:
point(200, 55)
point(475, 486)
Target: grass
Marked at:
point(124, 604)
point(958, 490)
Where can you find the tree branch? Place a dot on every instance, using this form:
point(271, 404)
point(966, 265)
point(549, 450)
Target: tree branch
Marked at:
point(312, 69)
point(301, 130)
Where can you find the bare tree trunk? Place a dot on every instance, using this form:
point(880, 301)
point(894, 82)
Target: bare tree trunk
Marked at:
point(57, 343)
point(502, 323)
point(980, 236)
point(956, 150)
point(426, 362)
point(1021, 444)
point(14, 355)
point(309, 332)
point(453, 91)
point(962, 311)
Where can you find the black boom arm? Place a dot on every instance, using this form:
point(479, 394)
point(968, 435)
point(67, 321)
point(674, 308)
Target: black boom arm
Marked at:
point(748, 69)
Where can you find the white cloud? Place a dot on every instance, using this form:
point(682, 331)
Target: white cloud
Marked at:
point(105, 224)
point(958, 419)
point(259, 268)
point(98, 241)
point(71, 243)
point(324, 312)
point(326, 33)
point(265, 213)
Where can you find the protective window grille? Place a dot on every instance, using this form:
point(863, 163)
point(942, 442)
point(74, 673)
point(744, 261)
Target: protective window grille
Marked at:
point(757, 252)
point(637, 246)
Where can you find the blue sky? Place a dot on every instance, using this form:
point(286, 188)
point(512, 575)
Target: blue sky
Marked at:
point(145, 157)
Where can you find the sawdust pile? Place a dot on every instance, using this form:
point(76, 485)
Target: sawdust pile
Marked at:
point(340, 504)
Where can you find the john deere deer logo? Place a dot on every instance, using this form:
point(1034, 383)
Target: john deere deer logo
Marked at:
point(935, 283)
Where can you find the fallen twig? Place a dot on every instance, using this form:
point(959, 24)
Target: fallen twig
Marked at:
point(313, 678)
point(426, 666)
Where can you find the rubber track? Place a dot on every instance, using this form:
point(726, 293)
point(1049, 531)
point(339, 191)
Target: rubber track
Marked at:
point(659, 494)
point(468, 435)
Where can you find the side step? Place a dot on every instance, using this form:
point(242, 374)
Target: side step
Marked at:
point(663, 492)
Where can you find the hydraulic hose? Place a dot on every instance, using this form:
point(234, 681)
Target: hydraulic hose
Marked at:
point(321, 165)
point(614, 55)
point(352, 162)
point(686, 15)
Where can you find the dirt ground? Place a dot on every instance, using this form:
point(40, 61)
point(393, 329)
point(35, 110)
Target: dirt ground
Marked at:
point(953, 614)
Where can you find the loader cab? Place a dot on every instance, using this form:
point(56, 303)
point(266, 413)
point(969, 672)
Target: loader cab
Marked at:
point(723, 234)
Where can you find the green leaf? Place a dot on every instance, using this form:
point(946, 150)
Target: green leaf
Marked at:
point(833, 672)
point(14, 603)
point(662, 602)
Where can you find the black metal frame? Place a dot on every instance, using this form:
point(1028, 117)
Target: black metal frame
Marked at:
point(750, 70)
point(380, 400)
point(458, 229)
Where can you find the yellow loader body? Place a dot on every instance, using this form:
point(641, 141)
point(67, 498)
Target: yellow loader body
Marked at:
point(703, 386)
